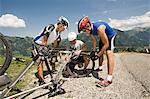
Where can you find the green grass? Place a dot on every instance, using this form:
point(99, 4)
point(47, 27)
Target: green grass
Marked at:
point(1, 60)
point(15, 69)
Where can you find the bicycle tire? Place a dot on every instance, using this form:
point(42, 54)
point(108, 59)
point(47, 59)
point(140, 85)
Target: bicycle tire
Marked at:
point(8, 56)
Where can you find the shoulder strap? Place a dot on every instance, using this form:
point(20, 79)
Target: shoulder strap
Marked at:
point(48, 29)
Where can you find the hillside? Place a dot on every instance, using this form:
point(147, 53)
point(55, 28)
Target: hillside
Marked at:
point(20, 45)
point(137, 38)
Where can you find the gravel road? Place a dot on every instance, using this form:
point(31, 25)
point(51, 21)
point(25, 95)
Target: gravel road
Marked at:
point(131, 81)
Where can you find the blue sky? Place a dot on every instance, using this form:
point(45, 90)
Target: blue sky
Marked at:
point(38, 13)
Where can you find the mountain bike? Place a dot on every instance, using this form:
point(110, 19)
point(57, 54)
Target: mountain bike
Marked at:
point(5, 54)
point(55, 83)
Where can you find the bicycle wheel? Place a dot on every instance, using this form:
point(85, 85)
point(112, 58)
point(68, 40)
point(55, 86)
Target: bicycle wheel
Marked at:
point(5, 54)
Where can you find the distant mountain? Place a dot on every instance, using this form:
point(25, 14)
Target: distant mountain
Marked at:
point(20, 45)
point(137, 38)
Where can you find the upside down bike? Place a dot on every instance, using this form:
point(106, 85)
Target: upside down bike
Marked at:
point(55, 82)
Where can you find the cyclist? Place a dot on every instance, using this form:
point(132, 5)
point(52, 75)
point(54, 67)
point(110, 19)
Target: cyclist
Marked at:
point(106, 43)
point(50, 35)
point(77, 46)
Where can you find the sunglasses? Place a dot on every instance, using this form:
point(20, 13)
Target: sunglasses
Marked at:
point(85, 28)
point(73, 41)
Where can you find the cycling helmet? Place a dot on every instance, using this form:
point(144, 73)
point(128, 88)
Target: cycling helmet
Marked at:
point(82, 23)
point(64, 21)
point(72, 36)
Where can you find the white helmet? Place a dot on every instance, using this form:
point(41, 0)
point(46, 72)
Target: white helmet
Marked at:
point(72, 36)
point(64, 21)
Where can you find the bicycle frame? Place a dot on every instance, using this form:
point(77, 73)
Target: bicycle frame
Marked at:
point(55, 81)
point(10, 86)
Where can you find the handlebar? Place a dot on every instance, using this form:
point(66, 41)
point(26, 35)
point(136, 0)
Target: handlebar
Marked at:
point(49, 52)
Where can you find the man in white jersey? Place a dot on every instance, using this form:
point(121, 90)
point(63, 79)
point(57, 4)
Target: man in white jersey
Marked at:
point(50, 35)
point(77, 46)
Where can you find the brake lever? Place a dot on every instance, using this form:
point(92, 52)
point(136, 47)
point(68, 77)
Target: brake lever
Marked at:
point(94, 58)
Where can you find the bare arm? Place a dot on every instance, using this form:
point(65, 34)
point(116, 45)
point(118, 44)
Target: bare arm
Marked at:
point(44, 41)
point(55, 44)
point(83, 47)
point(104, 39)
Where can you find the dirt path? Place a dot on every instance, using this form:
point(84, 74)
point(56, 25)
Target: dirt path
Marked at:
point(128, 83)
point(139, 67)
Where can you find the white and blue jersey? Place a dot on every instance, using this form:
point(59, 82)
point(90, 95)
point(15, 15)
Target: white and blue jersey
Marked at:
point(50, 32)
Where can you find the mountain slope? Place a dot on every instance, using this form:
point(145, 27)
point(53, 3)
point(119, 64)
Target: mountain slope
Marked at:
point(137, 38)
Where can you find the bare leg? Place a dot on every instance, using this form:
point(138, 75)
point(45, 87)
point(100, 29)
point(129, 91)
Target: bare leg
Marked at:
point(86, 62)
point(101, 59)
point(111, 62)
point(40, 70)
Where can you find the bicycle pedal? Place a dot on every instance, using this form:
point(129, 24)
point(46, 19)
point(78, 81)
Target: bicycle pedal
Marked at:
point(61, 91)
point(57, 92)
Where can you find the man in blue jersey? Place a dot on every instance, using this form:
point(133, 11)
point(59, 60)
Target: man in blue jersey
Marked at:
point(106, 37)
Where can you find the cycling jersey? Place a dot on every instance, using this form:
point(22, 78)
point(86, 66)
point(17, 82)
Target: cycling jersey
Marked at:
point(109, 31)
point(50, 32)
point(77, 45)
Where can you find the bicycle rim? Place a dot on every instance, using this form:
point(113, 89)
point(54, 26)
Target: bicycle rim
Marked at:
point(5, 54)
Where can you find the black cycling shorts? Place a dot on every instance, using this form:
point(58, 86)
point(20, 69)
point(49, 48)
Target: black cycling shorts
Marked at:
point(74, 62)
point(111, 43)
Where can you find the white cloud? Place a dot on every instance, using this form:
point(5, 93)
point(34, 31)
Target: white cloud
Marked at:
point(132, 22)
point(9, 20)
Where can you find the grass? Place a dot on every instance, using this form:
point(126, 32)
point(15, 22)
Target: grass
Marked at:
point(15, 69)
point(1, 60)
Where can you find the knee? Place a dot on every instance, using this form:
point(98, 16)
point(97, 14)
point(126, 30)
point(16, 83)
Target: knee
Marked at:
point(40, 66)
point(110, 53)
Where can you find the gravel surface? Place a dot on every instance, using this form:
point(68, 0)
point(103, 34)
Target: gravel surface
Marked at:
point(139, 67)
point(131, 81)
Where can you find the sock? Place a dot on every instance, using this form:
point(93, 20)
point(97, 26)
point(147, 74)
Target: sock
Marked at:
point(101, 67)
point(109, 77)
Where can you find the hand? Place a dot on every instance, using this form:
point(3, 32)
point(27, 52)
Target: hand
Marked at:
point(92, 54)
point(43, 50)
point(100, 54)
point(77, 53)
